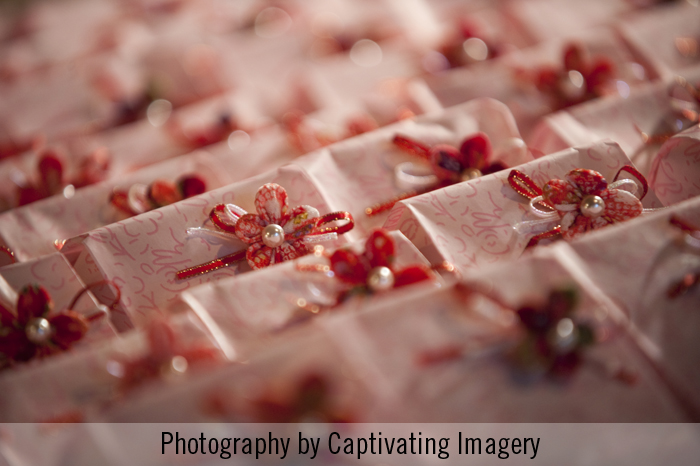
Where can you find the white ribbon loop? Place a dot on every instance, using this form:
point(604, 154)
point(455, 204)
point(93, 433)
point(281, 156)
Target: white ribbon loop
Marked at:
point(407, 178)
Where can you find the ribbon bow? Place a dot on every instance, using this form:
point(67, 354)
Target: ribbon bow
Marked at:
point(36, 330)
point(140, 198)
point(275, 234)
point(582, 201)
point(448, 164)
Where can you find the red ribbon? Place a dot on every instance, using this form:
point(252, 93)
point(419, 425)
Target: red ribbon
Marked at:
point(9, 254)
point(691, 279)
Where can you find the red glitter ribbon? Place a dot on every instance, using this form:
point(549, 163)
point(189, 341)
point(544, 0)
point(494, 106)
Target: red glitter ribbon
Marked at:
point(690, 279)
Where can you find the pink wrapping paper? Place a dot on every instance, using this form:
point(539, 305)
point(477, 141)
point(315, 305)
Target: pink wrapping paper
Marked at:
point(675, 171)
point(142, 254)
point(656, 257)
point(32, 230)
point(551, 19)
point(471, 224)
point(652, 36)
point(253, 307)
point(44, 393)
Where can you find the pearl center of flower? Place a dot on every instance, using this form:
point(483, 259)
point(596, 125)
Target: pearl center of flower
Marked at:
point(380, 279)
point(470, 174)
point(273, 235)
point(565, 336)
point(39, 331)
point(592, 206)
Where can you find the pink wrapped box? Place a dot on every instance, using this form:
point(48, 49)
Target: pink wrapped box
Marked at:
point(657, 37)
point(468, 375)
point(251, 308)
point(472, 224)
point(501, 80)
point(33, 230)
point(675, 171)
point(266, 387)
point(648, 109)
point(77, 386)
point(654, 256)
point(142, 254)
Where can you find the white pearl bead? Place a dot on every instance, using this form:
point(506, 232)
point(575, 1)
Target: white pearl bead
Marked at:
point(39, 331)
point(565, 336)
point(592, 206)
point(470, 174)
point(380, 279)
point(273, 235)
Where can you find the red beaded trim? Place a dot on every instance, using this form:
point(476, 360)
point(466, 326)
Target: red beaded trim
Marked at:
point(535, 240)
point(334, 217)
point(8, 252)
point(411, 146)
point(384, 206)
point(211, 266)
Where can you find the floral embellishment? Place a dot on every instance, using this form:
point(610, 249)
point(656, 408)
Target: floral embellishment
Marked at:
point(35, 330)
point(585, 202)
point(373, 270)
point(51, 177)
point(578, 79)
point(309, 401)
point(582, 201)
point(140, 198)
point(553, 339)
point(276, 233)
point(165, 356)
point(448, 165)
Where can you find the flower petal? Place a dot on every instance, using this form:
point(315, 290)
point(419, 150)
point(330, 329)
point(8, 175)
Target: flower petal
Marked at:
point(349, 267)
point(411, 275)
point(476, 151)
point(290, 250)
point(33, 301)
point(590, 182)
point(15, 345)
point(580, 225)
point(68, 327)
point(557, 192)
point(7, 318)
point(379, 249)
point(302, 221)
point(620, 205)
point(272, 204)
point(249, 228)
point(447, 162)
point(259, 256)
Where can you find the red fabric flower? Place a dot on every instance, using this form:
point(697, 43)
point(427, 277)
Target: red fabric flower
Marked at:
point(358, 271)
point(165, 355)
point(571, 196)
point(273, 210)
point(310, 401)
point(579, 79)
point(553, 341)
point(141, 198)
point(34, 330)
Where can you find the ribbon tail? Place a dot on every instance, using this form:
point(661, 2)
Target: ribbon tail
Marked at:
point(535, 240)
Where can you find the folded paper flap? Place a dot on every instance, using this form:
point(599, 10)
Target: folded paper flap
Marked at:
point(471, 223)
point(674, 172)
